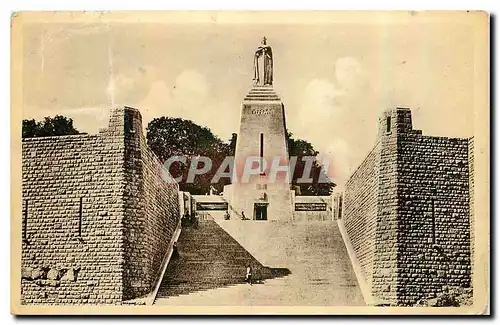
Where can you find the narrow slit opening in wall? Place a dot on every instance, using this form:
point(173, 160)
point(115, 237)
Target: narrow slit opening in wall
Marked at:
point(433, 220)
point(261, 154)
point(340, 208)
point(80, 218)
point(25, 221)
point(388, 124)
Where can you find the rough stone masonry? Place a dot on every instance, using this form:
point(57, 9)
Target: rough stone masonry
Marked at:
point(98, 215)
point(407, 211)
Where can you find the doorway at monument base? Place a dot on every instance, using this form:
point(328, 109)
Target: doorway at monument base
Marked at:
point(279, 206)
point(267, 204)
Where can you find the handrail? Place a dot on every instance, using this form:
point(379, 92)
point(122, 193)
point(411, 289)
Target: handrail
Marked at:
point(152, 295)
point(356, 266)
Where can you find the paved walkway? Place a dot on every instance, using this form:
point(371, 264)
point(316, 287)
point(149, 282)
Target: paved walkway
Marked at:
point(314, 252)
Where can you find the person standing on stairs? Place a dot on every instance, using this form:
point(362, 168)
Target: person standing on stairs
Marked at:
point(195, 221)
point(185, 219)
point(248, 277)
point(175, 252)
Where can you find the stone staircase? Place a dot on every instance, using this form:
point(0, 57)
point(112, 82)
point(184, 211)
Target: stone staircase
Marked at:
point(314, 253)
point(262, 93)
point(209, 258)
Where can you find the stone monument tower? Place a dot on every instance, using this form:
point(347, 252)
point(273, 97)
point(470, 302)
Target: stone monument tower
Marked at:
point(261, 188)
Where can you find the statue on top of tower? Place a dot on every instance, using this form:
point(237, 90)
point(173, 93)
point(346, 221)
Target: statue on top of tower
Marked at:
point(263, 64)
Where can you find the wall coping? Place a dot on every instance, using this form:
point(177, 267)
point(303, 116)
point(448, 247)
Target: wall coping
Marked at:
point(61, 137)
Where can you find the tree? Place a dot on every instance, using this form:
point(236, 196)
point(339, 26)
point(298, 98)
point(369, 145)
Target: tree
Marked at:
point(50, 126)
point(301, 148)
point(169, 137)
point(30, 128)
point(232, 143)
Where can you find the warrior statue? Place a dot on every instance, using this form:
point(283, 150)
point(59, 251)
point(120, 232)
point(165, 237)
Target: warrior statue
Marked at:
point(264, 54)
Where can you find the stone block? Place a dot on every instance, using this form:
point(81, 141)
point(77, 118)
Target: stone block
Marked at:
point(27, 273)
point(37, 273)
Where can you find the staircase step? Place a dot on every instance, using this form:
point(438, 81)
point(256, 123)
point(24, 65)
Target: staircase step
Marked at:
point(208, 258)
point(213, 259)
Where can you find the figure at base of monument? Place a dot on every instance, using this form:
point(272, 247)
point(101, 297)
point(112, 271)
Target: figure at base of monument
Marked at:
point(248, 276)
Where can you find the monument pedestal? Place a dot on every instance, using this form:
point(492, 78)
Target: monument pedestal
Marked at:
point(261, 140)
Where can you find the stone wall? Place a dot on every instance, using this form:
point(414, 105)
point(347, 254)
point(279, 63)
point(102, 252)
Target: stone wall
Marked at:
point(433, 216)
point(422, 227)
point(471, 200)
point(83, 240)
point(385, 264)
point(360, 210)
point(160, 199)
point(151, 210)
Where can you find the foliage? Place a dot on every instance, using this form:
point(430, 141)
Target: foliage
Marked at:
point(301, 148)
point(169, 137)
point(450, 296)
point(50, 126)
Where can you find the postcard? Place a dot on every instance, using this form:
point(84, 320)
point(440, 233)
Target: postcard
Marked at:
point(250, 163)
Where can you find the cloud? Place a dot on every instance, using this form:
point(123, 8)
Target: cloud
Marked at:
point(189, 97)
point(142, 88)
point(89, 119)
point(340, 166)
point(184, 98)
point(349, 73)
point(319, 98)
point(130, 86)
point(328, 100)
point(190, 83)
point(125, 88)
point(332, 108)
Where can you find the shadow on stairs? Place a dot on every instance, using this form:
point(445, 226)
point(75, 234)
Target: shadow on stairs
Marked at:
point(210, 258)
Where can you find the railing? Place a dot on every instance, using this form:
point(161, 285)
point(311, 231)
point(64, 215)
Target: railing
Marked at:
point(163, 268)
point(205, 216)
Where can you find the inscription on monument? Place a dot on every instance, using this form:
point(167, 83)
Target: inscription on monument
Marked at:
point(310, 206)
point(213, 206)
point(261, 111)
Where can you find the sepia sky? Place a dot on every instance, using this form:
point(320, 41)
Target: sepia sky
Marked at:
point(334, 78)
